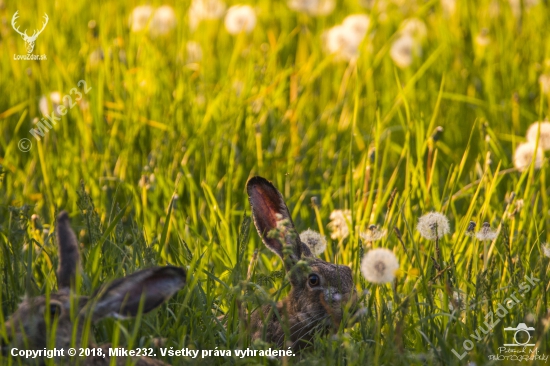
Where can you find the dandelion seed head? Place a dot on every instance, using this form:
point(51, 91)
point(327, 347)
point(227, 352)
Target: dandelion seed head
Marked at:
point(194, 52)
point(381, 5)
point(312, 7)
point(140, 17)
point(373, 234)
point(546, 250)
point(516, 6)
point(205, 10)
point(483, 39)
point(486, 233)
point(544, 138)
point(316, 242)
point(163, 21)
point(56, 101)
point(379, 266)
point(519, 204)
point(95, 58)
point(357, 23)
point(340, 219)
point(456, 301)
point(403, 51)
point(240, 18)
point(449, 6)
point(343, 42)
point(415, 28)
point(433, 225)
point(525, 154)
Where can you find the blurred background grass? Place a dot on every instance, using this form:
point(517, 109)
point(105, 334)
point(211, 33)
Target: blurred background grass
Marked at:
point(152, 162)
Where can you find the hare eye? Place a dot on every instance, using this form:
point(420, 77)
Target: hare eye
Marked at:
point(314, 280)
point(55, 309)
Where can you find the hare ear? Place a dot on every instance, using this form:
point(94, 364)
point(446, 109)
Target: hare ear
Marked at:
point(69, 257)
point(268, 208)
point(122, 297)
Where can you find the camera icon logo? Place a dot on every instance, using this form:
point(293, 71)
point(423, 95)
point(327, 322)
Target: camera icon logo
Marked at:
point(521, 335)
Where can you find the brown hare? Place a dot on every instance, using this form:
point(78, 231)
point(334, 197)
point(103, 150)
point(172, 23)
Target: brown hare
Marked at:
point(320, 291)
point(27, 328)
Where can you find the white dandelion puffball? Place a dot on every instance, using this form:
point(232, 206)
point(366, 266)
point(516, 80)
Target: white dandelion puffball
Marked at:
point(486, 233)
point(44, 104)
point(140, 17)
point(312, 7)
point(379, 266)
point(369, 4)
point(483, 39)
point(516, 7)
point(340, 219)
point(433, 225)
point(205, 10)
point(194, 52)
point(373, 234)
point(458, 300)
point(342, 42)
point(546, 250)
point(525, 154)
point(316, 242)
point(544, 137)
point(240, 18)
point(449, 6)
point(358, 23)
point(403, 51)
point(95, 58)
point(163, 21)
point(544, 81)
point(415, 28)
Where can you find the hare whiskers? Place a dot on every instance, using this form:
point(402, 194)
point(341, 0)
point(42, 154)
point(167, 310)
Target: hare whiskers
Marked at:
point(317, 321)
point(318, 289)
point(312, 319)
point(316, 328)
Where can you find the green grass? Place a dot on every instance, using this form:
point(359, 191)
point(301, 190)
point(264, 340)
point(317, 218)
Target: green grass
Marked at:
point(352, 136)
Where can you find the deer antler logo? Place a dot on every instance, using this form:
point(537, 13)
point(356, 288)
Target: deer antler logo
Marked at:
point(29, 40)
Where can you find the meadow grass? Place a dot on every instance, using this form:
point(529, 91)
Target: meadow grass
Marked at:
point(152, 166)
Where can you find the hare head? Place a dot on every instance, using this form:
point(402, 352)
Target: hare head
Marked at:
point(64, 314)
point(320, 291)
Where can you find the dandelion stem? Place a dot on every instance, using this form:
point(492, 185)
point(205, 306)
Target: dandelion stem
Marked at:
point(437, 250)
point(485, 253)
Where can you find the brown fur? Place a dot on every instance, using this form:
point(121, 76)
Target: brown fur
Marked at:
point(307, 309)
point(30, 326)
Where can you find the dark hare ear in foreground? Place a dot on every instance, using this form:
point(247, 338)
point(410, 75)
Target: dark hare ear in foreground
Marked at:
point(31, 325)
point(320, 291)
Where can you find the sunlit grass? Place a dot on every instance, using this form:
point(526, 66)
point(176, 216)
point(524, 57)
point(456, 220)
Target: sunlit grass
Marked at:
point(152, 167)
